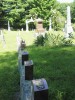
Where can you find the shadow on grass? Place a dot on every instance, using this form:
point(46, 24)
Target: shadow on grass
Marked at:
point(9, 76)
point(57, 66)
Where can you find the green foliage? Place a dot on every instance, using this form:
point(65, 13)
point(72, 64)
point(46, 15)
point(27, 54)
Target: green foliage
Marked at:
point(17, 11)
point(39, 40)
point(53, 39)
point(72, 11)
point(67, 41)
point(56, 65)
point(9, 75)
point(73, 25)
point(57, 20)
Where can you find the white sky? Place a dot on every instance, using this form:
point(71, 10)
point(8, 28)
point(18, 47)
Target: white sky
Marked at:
point(68, 1)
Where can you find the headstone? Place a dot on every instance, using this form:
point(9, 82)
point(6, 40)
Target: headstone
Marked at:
point(27, 28)
point(40, 89)
point(28, 70)
point(8, 26)
point(50, 27)
point(25, 57)
point(22, 29)
point(23, 44)
point(2, 38)
point(39, 26)
point(68, 28)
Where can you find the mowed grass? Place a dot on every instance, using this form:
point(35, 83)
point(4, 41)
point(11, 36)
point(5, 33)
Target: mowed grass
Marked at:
point(56, 65)
point(11, 39)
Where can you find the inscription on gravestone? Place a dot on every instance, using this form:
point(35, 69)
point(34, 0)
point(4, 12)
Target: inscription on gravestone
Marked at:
point(40, 89)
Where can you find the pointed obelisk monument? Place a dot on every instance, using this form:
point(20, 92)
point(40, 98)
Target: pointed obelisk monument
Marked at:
point(68, 27)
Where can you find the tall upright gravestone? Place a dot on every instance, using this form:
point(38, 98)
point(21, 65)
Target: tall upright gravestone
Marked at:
point(8, 26)
point(39, 26)
point(50, 25)
point(68, 28)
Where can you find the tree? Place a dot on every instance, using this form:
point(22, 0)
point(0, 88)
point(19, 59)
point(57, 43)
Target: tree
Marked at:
point(17, 11)
point(73, 12)
point(57, 20)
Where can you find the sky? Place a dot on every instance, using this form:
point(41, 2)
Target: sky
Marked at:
point(62, 1)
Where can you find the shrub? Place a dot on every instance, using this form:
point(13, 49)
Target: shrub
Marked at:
point(53, 39)
point(39, 40)
point(67, 41)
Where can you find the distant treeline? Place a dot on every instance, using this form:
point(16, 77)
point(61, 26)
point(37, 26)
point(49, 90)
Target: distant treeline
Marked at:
point(17, 11)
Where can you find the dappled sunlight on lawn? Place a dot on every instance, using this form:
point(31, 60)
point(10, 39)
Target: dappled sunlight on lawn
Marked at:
point(11, 40)
point(9, 76)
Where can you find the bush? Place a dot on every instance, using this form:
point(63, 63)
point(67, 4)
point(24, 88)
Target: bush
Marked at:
point(53, 39)
point(39, 41)
point(67, 42)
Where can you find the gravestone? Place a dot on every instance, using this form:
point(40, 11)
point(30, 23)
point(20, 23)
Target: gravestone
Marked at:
point(25, 57)
point(50, 25)
point(28, 70)
point(68, 28)
point(8, 26)
point(2, 38)
point(40, 89)
point(39, 26)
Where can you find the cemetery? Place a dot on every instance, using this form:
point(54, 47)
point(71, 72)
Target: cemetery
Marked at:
point(37, 52)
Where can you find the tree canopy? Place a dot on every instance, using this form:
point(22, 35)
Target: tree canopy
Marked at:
point(17, 11)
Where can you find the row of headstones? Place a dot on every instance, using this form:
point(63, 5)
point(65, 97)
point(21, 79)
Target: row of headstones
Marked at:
point(30, 89)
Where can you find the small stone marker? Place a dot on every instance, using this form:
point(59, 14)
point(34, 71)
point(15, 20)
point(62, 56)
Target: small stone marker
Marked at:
point(25, 57)
point(28, 70)
point(40, 89)
point(23, 44)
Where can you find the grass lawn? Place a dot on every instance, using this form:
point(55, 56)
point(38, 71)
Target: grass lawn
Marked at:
point(56, 65)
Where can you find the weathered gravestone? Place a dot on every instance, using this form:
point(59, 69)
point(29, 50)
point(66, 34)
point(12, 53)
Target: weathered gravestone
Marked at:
point(28, 70)
point(39, 26)
point(2, 38)
point(40, 89)
point(68, 28)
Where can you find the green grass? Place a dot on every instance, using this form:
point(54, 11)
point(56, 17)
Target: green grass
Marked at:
point(56, 65)
point(11, 40)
